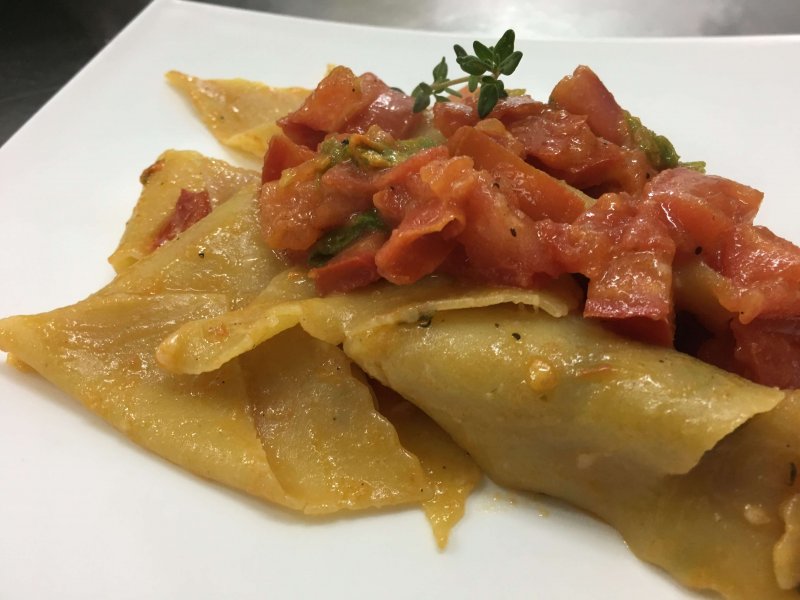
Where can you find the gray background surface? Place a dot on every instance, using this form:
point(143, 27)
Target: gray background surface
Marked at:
point(44, 43)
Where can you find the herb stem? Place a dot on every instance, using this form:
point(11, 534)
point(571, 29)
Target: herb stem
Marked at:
point(443, 85)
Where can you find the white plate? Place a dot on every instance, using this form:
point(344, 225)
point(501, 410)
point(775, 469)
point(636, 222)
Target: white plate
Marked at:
point(86, 514)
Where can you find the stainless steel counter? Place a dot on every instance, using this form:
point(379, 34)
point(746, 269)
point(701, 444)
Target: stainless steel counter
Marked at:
point(43, 44)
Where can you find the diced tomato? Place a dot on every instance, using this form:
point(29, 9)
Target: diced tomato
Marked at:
point(295, 212)
point(583, 93)
point(449, 117)
point(345, 103)
point(353, 268)
point(565, 146)
point(433, 217)
point(626, 252)
point(535, 193)
point(391, 110)
point(498, 132)
point(768, 351)
point(765, 272)
point(189, 209)
point(281, 154)
point(502, 244)
point(400, 172)
point(702, 209)
point(337, 98)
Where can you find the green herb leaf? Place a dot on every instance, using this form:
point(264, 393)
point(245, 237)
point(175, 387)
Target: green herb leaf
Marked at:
point(483, 52)
point(421, 102)
point(487, 99)
point(440, 71)
point(337, 240)
point(472, 84)
point(460, 52)
point(505, 46)
point(473, 65)
point(509, 64)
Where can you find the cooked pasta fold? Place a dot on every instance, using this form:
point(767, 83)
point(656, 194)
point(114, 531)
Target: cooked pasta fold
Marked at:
point(691, 464)
point(292, 421)
point(241, 114)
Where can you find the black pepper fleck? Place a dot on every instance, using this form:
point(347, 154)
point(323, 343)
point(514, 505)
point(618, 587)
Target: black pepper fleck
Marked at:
point(516, 336)
point(513, 232)
point(425, 320)
point(698, 250)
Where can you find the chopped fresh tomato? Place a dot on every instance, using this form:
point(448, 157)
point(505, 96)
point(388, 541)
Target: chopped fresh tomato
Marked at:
point(282, 153)
point(433, 215)
point(768, 351)
point(353, 268)
point(189, 209)
point(346, 103)
point(583, 93)
point(532, 192)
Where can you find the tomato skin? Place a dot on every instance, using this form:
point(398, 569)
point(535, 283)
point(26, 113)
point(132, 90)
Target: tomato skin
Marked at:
point(190, 207)
point(282, 153)
point(345, 103)
point(565, 146)
point(702, 210)
point(537, 194)
point(767, 351)
point(432, 216)
point(582, 93)
point(351, 269)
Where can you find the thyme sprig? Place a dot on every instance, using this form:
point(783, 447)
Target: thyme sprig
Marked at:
point(484, 69)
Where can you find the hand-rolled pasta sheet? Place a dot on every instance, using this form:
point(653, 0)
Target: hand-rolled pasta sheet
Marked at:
point(162, 182)
point(100, 351)
point(563, 407)
point(732, 523)
point(323, 437)
point(450, 471)
point(291, 299)
point(223, 253)
point(241, 114)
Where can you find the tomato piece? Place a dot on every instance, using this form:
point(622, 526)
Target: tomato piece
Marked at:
point(352, 268)
point(433, 216)
point(702, 209)
point(298, 208)
point(535, 193)
point(189, 209)
point(345, 103)
point(583, 93)
point(768, 351)
point(565, 146)
point(282, 153)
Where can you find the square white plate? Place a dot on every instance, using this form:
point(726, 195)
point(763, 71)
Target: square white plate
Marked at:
point(86, 514)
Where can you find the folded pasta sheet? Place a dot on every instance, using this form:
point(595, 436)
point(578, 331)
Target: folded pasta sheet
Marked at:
point(162, 183)
point(629, 432)
point(290, 299)
point(292, 421)
point(241, 114)
point(222, 253)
